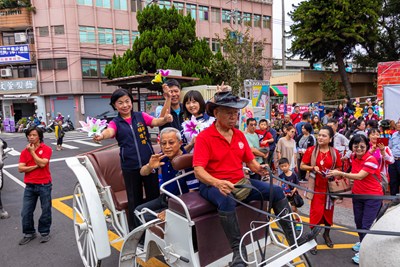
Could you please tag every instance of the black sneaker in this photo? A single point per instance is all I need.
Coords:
(26, 239)
(44, 238)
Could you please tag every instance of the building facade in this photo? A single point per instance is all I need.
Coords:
(73, 40)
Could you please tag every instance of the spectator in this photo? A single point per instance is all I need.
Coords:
(348, 106)
(305, 118)
(369, 105)
(60, 117)
(220, 151)
(318, 160)
(286, 148)
(34, 163)
(339, 112)
(328, 115)
(321, 109)
(304, 141)
(340, 142)
(129, 128)
(36, 121)
(295, 117)
(172, 92)
(358, 111)
(316, 124)
(366, 175)
(254, 143)
(267, 136)
(394, 169)
(59, 132)
(371, 115)
(359, 129)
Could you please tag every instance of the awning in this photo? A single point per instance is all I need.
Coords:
(14, 97)
(278, 90)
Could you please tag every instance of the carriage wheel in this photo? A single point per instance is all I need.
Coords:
(280, 235)
(83, 229)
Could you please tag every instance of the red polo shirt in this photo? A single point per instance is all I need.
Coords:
(219, 158)
(296, 118)
(369, 185)
(39, 175)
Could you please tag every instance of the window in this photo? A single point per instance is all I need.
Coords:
(105, 35)
(103, 63)
(203, 13)
(26, 71)
(257, 21)
(85, 2)
(237, 16)
(58, 30)
(8, 38)
(247, 19)
(164, 4)
(43, 31)
(135, 35)
(60, 64)
(226, 16)
(122, 37)
(46, 64)
(191, 9)
(266, 22)
(215, 45)
(87, 34)
(103, 3)
(215, 15)
(121, 4)
(207, 41)
(179, 7)
(89, 68)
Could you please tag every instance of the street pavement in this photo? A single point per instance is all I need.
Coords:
(62, 250)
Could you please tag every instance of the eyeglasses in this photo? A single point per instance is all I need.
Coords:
(164, 144)
(252, 124)
(359, 147)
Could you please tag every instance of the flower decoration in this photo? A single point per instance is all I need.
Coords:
(93, 126)
(160, 76)
(193, 127)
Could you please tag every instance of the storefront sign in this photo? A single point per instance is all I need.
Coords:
(14, 54)
(18, 86)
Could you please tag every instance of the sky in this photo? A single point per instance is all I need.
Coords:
(277, 25)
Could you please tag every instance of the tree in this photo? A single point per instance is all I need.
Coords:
(14, 3)
(241, 59)
(331, 88)
(387, 45)
(329, 30)
(167, 41)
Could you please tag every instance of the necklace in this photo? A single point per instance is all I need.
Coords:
(322, 160)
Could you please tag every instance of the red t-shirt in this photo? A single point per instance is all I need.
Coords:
(39, 175)
(369, 185)
(267, 136)
(295, 118)
(219, 158)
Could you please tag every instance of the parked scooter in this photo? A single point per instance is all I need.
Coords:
(3, 154)
(68, 125)
(50, 127)
(29, 123)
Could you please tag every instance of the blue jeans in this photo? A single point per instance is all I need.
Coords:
(228, 204)
(31, 194)
(394, 174)
(365, 212)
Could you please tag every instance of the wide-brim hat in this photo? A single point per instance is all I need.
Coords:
(226, 99)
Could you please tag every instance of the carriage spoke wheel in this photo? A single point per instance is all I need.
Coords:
(83, 229)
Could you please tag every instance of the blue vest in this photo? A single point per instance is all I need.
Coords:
(134, 142)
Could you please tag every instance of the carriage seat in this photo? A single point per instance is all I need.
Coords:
(108, 169)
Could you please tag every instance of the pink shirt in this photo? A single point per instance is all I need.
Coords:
(147, 120)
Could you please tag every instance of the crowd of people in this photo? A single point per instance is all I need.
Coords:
(313, 147)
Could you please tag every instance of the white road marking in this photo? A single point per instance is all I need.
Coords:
(86, 143)
(52, 160)
(18, 181)
(67, 146)
(14, 153)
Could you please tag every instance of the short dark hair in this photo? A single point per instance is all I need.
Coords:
(196, 96)
(173, 82)
(328, 111)
(283, 161)
(250, 120)
(358, 122)
(372, 124)
(38, 130)
(120, 92)
(306, 115)
(307, 126)
(263, 120)
(373, 130)
(358, 138)
(332, 120)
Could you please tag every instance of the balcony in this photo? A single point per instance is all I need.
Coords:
(15, 19)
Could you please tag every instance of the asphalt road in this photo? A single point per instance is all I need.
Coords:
(62, 250)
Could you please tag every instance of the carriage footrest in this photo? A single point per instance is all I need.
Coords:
(293, 254)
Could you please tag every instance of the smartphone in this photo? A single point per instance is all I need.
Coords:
(383, 140)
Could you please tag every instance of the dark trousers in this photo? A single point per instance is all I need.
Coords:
(394, 174)
(134, 183)
(31, 194)
(227, 204)
(301, 174)
(59, 141)
(157, 205)
(365, 212)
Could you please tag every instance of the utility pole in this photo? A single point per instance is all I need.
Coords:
(283, 37)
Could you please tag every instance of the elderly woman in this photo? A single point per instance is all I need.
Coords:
(318, 160)
(367, 176)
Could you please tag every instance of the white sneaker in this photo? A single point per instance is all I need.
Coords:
(4, 214)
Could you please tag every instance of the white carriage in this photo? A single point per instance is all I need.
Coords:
(191, 234)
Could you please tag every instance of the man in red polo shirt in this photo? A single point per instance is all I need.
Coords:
(219, 153)
(34, 162)
(295, 117)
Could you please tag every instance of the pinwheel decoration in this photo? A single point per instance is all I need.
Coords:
(93, 126)
(160, 76)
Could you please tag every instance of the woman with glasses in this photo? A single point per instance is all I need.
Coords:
(318, 160)
(367, 176)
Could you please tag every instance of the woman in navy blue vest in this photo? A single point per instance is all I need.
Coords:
(130, 130)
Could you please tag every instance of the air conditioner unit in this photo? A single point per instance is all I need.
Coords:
(20, 37)
(6, 73)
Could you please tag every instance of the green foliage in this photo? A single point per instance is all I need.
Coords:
(329, 30)
(331, 88)
(167, 41)
(387, 45)
(14, 3)
(241, 59)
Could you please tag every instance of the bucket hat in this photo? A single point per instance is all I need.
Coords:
(226, 99)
